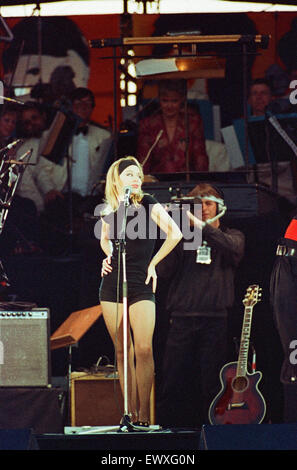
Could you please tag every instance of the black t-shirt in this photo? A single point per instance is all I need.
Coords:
(196, 289)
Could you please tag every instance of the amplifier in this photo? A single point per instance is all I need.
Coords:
(242, 200)
(24, 348)
(96, 399)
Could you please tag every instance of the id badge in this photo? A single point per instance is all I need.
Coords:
(203, 254)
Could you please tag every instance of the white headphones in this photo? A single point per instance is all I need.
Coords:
(221, 207)
(219, 201)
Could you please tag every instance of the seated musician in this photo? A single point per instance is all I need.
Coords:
(163, 136)
(76, 183)
(8, 119)
(32, 129)
(86, 151)
(21, 232)
(260, 96)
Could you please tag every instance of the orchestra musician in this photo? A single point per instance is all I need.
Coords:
(173, 132)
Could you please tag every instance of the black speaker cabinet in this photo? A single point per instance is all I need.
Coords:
(17, 439)
(249, 437)
(24, 348)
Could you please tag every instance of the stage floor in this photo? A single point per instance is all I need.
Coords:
(102, 438)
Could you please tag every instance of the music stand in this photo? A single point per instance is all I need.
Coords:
(4, 27)
(71, 331)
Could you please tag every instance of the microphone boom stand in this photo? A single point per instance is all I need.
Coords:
(125, 422)
(8, 184)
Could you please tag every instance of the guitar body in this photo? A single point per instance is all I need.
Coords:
(239, 401)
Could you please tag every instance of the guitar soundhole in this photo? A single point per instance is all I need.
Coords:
(239, 384)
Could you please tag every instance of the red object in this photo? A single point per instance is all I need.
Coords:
(291, 231)
(169, 156)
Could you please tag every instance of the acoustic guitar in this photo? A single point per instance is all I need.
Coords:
(239, 400)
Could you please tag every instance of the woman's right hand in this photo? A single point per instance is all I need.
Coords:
(106, 266)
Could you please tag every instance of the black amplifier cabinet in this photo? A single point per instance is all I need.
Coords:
(242, 200)
(24, 348)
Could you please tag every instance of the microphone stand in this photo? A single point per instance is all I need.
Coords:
(125, 422)
(126, 425)
(8, 184)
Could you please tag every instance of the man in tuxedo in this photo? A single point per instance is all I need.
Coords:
(79, 171)
(87, 152)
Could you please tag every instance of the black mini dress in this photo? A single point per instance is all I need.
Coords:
(140, 239)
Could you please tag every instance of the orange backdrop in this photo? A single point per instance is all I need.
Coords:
(106, 26)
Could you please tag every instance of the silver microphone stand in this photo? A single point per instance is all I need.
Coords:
(125, 422)
(126, 425)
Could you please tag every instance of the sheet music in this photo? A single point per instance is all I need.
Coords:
(283, 134)
(153, 66)
(233, 148)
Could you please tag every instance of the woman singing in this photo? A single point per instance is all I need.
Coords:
(141, 278)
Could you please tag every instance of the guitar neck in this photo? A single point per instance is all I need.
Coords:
(244, 342)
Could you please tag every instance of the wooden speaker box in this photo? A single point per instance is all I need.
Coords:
(96, 400)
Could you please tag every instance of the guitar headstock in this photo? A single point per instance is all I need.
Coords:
(252, 296)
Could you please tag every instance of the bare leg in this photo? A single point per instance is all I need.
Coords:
(142, 319)
(114, 323)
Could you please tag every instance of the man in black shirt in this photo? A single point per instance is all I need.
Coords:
(283, 294)
(200, 292)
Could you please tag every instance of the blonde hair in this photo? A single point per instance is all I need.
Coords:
(113, 183)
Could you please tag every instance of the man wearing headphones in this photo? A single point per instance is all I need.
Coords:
(200, 291)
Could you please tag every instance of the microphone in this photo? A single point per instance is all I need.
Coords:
(105, 42)
(127, 193)
(12, 100)
(14, 163)
(221, 207)
(21, 159)
(10, 146)
(152, 147)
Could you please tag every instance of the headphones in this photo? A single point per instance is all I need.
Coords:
(220, 202)
(221, 207)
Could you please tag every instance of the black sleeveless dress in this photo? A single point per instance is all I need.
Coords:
(141, 234)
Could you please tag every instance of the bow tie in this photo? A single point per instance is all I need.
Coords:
(83, 130)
